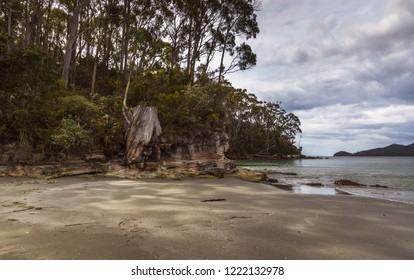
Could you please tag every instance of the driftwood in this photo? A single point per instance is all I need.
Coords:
(141, 125)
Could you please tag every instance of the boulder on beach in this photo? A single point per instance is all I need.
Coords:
(346, 182)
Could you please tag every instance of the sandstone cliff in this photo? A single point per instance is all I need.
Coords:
(188, 156)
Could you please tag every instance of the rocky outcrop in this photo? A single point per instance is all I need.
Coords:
(168, 158)
(198, 156)
(346, 182)
(67, 167)
(213, 146)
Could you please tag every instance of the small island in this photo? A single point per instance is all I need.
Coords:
(391, 150)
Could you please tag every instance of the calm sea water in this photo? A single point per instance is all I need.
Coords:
(397, 173)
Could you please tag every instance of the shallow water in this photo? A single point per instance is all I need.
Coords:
(397, 173)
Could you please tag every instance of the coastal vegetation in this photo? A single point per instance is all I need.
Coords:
(66, 65)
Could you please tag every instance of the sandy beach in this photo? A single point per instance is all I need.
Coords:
(106, 218)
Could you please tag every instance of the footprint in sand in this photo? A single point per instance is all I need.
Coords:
(133, 228)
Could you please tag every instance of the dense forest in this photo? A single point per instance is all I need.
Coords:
(65, 66)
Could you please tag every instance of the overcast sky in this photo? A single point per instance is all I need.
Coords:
(344, 67)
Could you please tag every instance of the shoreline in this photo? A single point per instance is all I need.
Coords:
(365, 178)
(192, 218)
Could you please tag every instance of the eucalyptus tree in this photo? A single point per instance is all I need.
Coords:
(187, 28)
(56, 35)
(198, 30)
(75, 7)
(12, 14)
(238, 21)
(37, 22)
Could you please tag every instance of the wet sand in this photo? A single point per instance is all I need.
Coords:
(105, 218)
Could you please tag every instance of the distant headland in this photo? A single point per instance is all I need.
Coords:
(391, 150)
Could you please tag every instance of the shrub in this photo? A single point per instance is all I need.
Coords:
(71, 136)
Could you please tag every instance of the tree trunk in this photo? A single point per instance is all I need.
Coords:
(9, 27)
(45, 43)
(221, 69)
(141, 125)
(125, 41)
(190, 40)
(95, 67)
(70, 43)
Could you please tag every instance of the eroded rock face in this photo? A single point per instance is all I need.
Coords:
(192, 157)
(200, 154)
(208, 148)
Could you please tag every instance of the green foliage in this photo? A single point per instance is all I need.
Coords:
(260, 129)
(107, 127)
(79, 107)
(31, 68)
(3, 42)
(196, 110)
(109, 85)
(71, 136)
(28, 79)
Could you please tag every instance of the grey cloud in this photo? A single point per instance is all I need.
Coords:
(337, 65)
(404, 134)
(300, 56)
(405, 89)
(394, 30)
(402, 5)
(288, 23)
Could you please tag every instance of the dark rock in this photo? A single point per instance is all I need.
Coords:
(240, 217)
(216, 172)
(379, 186)
(210, 168)
(213, 200)
(230, 167)
(282, 186)
(314, 184)
(345, 182)
(272, 180)
(284, 173)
